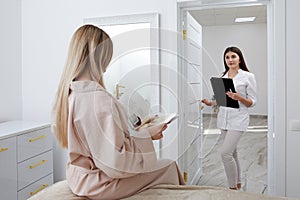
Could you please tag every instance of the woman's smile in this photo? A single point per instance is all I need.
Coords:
(232, 59)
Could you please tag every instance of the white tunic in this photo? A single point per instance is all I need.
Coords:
(238, 119)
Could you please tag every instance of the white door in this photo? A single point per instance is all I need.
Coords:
(191, 93)
(133, 73)
(135, 63)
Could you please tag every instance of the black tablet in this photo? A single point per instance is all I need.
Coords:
(220, 87)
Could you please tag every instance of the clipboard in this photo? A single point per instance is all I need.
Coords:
(220, 86)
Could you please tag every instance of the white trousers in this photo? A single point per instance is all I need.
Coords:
(230, 157)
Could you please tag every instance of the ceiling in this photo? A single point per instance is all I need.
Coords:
(226, 16)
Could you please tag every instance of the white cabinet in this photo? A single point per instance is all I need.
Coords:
(34, 143)
(34, 168)
(8, 168)
(26, 159)
(35, 187)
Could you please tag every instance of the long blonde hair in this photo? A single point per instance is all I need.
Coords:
(90, 48)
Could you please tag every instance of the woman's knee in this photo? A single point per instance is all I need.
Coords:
(226, 155)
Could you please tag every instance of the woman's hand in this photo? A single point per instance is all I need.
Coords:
(146, 123)
(238, 97)
(234, 96)
(206, 102)
(156, 131)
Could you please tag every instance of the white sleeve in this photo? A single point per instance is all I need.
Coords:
(251, 89)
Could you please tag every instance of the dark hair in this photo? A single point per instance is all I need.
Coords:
(236, 50)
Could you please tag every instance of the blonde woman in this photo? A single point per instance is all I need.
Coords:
(105, 162)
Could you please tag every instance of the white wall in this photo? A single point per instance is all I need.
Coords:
(252, 40)
(10, 56)
(47, 27)
(293, 96)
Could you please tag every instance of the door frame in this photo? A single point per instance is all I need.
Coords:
(276, 35)
(154, 20)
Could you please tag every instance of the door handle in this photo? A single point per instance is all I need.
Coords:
(3, 149)
(118, 93)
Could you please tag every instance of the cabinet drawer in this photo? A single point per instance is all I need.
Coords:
(33, 169)
(34, 143)
(8, 169)
(35, 187)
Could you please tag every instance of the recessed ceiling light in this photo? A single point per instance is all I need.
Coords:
(244, 19)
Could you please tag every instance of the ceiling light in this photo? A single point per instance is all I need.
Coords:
(244, 19)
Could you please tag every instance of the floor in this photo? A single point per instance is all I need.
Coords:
(252, 153)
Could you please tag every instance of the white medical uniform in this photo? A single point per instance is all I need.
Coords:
(238, 119)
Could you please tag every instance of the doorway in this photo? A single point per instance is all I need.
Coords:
(220, 31)
(276, 183)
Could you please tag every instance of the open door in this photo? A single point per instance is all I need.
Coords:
(191, 93)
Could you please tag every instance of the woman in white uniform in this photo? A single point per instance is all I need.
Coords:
(234, 122)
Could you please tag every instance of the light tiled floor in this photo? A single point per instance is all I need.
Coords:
(252, 152)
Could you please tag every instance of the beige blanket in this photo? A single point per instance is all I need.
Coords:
(61, 191)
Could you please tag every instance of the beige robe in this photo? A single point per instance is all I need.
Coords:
(105, 162)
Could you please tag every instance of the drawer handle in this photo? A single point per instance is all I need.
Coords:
(41, 188)
(37, 138)
(3, 149)
(37, 164)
